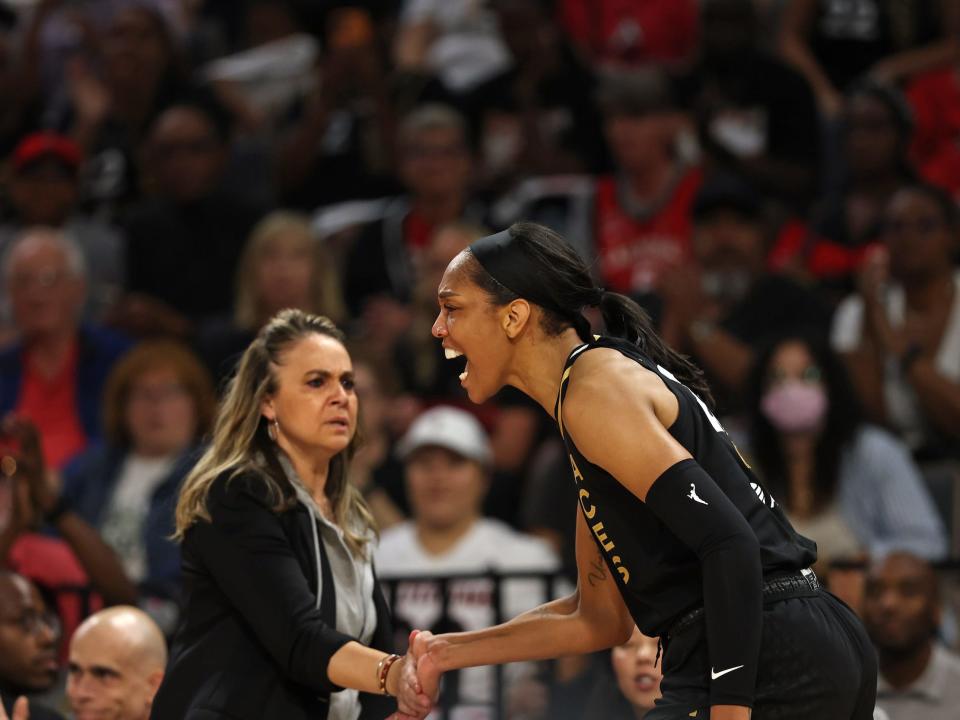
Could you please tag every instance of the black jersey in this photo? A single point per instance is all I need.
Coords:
(657, 574)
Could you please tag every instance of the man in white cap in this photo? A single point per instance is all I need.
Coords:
(447, 460)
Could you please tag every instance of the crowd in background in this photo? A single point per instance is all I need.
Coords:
(775, 181)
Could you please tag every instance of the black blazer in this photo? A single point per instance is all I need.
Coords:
(251, 645)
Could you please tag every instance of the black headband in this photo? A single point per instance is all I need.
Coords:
(505, 261)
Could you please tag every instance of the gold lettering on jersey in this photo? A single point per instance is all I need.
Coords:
(587, 512)
(602, 538)
(590, 512)
(576, 471)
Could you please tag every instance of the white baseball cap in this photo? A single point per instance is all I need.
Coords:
(450, 428)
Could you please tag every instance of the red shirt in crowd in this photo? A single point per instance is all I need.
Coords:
(51, 404)
(632, 32)
(934, 98)
(635, 252)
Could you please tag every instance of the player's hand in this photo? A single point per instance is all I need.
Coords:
(412, 702)
(426, 646)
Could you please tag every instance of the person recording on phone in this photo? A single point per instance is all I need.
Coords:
(900, 334)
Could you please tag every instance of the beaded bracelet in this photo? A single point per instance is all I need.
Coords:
(383, 669)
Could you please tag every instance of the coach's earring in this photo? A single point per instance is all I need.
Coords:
(273, 429)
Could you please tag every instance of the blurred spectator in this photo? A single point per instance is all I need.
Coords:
(18, 86)
(158, 404)
(374, 469)
(116, 90)
(919, 678)
(537, 117)
(757, 116)
(641, 219)
(637, 671)
(55, 373)
(849, 486)
(265, 78)
(117, 659)
(44, 190)
(447, 459)
(724, 305)
(184, 242)
(934, 99)
(875, 163)
(901, 333)
(836, 43)
(619, 684)
(339, 146)
(436, 167)
(71, 567)
(282, 266)
(632, 32)
(28, 635)
(456, 40)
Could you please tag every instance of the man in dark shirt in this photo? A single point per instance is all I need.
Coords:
(28, 651)
(184, 242)
(757, 116)
(725, 305)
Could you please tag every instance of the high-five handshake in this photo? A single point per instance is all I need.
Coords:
(418, 687)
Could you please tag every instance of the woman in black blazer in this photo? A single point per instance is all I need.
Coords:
(283, 614)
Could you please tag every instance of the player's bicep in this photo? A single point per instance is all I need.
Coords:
(615, 426)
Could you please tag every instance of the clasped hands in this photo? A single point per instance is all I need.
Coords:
(418, 687)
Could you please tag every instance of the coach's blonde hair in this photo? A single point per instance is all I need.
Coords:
(241, 443)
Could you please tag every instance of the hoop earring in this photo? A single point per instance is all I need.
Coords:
(273, 429)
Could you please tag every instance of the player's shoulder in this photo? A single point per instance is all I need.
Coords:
(609, 372)
(604, 383)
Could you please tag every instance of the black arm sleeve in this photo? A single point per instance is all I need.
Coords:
(250, 557)
(697, 511)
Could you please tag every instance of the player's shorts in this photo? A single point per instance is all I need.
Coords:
(816, 661)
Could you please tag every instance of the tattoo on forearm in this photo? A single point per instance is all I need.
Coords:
(598, 571)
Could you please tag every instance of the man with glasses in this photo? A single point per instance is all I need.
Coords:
(28, 646)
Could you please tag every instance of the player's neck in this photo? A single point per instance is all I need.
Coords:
(537, 369)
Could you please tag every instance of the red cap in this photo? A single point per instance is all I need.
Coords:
(39, 145)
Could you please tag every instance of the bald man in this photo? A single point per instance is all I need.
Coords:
(117, 659)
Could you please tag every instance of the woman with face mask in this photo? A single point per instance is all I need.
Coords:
(850, 486)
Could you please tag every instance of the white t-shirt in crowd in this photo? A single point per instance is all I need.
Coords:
(903, 408)
(128, 507)
(489, 545)
(468, 48)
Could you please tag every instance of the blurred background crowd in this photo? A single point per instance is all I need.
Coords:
(776, 181)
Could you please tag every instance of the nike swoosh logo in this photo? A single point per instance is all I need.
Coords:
(715, 675)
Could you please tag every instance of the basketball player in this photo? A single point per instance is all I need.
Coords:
(674, 533)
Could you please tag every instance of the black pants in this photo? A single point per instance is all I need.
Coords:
(816, 662)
